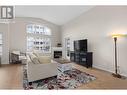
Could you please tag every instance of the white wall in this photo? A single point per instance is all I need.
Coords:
(97, 25)
(18, 33)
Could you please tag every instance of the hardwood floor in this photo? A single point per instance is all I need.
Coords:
(11, 78)
(104, 79)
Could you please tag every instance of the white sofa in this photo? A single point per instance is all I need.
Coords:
(40, 71)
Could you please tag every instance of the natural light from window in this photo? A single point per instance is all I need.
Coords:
(1, 44)
(38, 38)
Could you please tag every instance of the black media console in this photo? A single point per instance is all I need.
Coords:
(82, 58)
(80, 54)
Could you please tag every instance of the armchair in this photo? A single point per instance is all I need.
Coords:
(15, 56)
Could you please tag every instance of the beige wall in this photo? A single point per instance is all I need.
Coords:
(5, 46)
(97, 25)
(18, 32)
(14, 35)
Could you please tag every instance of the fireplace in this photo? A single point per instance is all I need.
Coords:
(57, 54)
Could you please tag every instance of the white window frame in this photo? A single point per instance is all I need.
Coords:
(1, 44)
(38, 38)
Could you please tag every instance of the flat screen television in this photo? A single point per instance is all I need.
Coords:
(80, 45)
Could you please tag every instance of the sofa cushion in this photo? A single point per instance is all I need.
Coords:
(34, 59)
(44, 59)
(38, 53)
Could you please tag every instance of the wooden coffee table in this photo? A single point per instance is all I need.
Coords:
(64, 65)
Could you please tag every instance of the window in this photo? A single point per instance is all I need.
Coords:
(67, 43)
(38, 38)
(1, 44)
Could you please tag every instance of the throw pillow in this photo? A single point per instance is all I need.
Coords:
(44, 59)
(34, 59)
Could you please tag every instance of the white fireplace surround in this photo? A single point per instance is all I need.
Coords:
(56, 49)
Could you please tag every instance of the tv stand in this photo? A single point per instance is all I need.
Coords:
(82, 58)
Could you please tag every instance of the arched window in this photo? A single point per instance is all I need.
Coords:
(38, 38)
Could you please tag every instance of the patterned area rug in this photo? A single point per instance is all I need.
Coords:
(68, 80)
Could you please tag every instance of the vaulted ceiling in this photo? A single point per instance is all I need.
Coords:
(56, 14)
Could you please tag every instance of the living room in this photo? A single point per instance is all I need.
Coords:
(94, 24)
